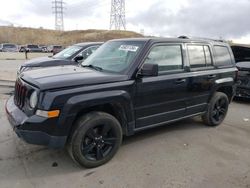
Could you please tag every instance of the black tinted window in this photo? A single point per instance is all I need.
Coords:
(208, 56)
(9, 46)
(167, 57)
(223, 57)
(196, 56)
(32, 46)
(58, 47)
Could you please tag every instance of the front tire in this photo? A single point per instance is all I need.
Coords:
(95, 140)
(217, 110)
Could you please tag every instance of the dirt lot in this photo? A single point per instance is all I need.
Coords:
(8, 67)
(183, 154)
(21, 56)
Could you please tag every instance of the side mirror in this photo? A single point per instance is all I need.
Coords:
(78, 58)
(149, 70)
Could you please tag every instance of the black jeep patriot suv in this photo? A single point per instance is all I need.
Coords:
(126, 86)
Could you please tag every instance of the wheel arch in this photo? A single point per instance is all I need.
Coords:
(115, 103)
(228, 90)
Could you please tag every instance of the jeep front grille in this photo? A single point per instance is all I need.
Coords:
(20, 94)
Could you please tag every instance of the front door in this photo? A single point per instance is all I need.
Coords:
(162, 98)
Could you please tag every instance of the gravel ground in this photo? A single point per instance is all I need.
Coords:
(183, 154)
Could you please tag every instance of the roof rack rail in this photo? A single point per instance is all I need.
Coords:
(201, 38)
(183, 37)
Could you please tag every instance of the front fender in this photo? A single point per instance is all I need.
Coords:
(80, 102)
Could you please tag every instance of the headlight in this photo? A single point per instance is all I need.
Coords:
(33, 99)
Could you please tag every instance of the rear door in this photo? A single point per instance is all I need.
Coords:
(202, 77)
(162, 98)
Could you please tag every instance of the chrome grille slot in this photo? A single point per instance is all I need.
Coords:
(20, 94)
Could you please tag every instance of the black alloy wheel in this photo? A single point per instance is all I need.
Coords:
(95, 140)
(217, 109)
(220, 110)
(98, 142)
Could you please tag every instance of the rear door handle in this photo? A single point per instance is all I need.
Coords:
(180, 81)
(211, 76)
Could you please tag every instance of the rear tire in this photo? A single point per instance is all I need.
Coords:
(217, 110)
(95, 140)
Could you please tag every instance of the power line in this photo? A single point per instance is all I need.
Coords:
(117, 15)
(58, 10)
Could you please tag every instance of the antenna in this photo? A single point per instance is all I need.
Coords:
(117, 15)
(58, 10)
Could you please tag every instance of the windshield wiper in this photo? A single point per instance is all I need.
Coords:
(93, 67)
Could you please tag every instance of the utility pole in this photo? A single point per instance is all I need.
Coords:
(117, 15)
(58, 10)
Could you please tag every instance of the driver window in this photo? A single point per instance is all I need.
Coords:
(87, 52)
(168, 57)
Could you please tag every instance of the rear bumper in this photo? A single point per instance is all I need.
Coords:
(19, 120)
(243, 92)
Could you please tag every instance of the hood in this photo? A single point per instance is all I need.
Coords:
(47, 61)
(68, 76)
(243, 66)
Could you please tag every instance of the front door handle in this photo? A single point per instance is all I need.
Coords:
(180, 81)
(211, 76)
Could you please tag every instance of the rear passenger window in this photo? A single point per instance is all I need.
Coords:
(196, 56)
(222, 57)
(167, 57)
(199, 56)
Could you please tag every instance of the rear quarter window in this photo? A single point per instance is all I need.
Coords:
(222, 56)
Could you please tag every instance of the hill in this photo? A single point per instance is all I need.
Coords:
(20, 35)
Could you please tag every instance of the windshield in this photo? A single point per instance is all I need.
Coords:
(114, 56)
(68, 52)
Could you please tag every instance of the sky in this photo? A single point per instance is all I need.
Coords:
(226, 19)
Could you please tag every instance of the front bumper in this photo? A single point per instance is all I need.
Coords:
(20, 121)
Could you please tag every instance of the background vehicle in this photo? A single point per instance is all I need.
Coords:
(242, 57)
(22, 48)
(54, 49)
(7, 47)
(243, 86)
(72, 55)
(44, 48)
(30, 48)
(33, 48)
(126, 86)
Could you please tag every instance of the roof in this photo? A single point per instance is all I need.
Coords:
(183, 40)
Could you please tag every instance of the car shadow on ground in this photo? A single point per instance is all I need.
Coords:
(40, 162)
(183, 125)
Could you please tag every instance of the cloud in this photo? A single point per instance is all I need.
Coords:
(83, 9)
(73, 9)
(5, 23)
(209, 18)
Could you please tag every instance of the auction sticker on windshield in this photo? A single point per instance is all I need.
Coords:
(129, 48)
